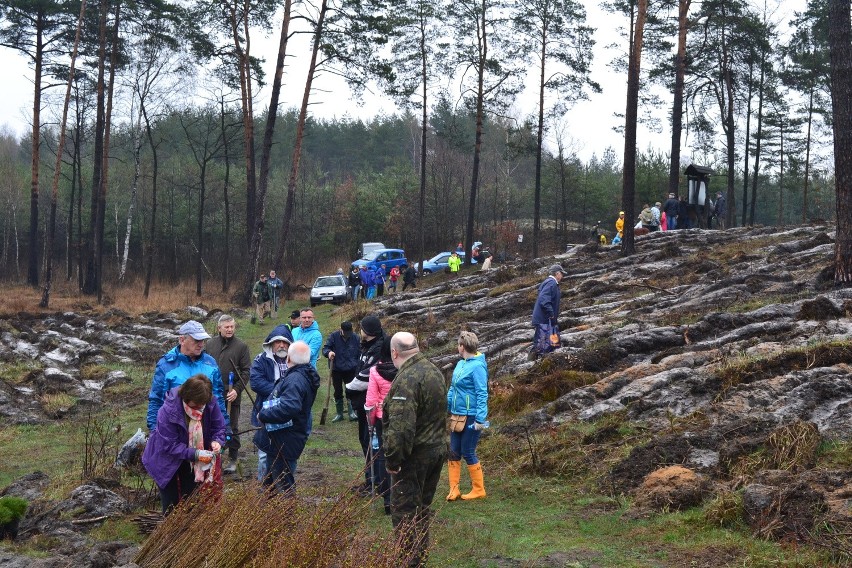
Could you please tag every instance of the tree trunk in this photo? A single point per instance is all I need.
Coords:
(90, 285)
(477, 145)
(226, 269)
(746, 150)
(629, 176)
(99, 243)
(54, 194)
(297, 147)
(808, 156)
(152, 247)
(758, 142)
(256, 234)
(424, 52)
(539, 144)
(840, 42)
(33, 264)
(244, 68)
(677, 104)
(137, 153)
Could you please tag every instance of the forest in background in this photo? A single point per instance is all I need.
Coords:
(162, 176)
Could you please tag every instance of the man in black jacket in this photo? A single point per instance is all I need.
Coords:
(372, 339)
(342, 349)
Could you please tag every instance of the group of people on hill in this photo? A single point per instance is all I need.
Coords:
(399, 399)
(671, 215)
(368, 283)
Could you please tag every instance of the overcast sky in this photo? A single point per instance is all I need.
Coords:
(590, 123)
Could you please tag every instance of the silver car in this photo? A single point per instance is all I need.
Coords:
(330, 289)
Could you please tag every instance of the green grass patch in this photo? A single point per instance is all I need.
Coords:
(117, 529)
(19, 372)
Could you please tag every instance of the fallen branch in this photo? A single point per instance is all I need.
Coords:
(657, 288)
(89, 521)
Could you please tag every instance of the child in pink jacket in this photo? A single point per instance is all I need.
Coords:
(381, 377)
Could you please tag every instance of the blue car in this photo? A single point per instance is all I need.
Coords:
(388, 257)
(438, 262)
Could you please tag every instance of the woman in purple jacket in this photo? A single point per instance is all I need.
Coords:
(182, 448)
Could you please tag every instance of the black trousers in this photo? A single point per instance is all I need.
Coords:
(180, 487)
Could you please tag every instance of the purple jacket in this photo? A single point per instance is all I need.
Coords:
(168, 445)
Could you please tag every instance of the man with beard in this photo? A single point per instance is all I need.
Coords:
(286, 415)
(372, 339)
(267, 368)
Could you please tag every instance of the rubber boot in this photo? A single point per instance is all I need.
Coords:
(338, 403)
(477, 481)
(352, 416)
(454, 475)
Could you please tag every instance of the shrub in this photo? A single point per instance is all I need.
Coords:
(12, 508)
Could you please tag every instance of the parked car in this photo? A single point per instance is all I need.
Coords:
(439, 262)
(388, 257)
(333, 289)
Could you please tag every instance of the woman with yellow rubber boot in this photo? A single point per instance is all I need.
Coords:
(467, 403)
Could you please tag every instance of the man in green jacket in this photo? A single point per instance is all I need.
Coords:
(262, 298)
(415, 442)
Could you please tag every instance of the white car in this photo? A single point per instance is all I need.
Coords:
(330, 289)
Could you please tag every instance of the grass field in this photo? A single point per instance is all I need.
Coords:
(526, 520)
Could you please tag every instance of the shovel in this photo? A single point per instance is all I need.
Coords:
(327, 394)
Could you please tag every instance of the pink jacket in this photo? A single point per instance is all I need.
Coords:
(377, 390)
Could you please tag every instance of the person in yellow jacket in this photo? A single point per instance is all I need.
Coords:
(619, 225)
(454, 262)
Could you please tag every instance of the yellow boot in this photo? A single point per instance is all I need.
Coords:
(477, 481)
(454, 474)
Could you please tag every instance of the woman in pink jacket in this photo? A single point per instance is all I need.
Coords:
(381, 377)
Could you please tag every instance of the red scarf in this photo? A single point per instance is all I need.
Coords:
(203, 471)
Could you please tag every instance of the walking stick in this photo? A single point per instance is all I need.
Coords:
(371, 456)
(242, 380)
(327, 394)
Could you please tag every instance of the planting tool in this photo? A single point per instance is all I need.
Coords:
(230, 388)
(327, 394)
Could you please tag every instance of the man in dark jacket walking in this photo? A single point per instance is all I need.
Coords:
(546, 310)
(234, 361)
(286, 413)
(409, 278)
(415, 443)
(372, 338)
(342, 349)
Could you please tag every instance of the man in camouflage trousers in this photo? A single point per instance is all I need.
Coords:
(415, 442)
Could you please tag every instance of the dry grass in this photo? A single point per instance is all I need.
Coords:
(127, 297)
(725, 510)
(792, 447)
(247, 526)
(56, 405)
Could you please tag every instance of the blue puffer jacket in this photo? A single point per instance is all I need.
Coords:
(290, 402)
(546, 308)
(264, 372)
(468, 392)
(312, 337)
(173, 369)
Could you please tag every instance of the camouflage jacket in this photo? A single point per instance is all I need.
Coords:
(415, 412)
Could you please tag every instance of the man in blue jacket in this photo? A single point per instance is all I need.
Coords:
(266, 369)
(188, 358)
(546, 310)
(286, 415)
(342, 349)
(309, 332)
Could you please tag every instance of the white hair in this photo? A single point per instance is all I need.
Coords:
(225, 318)
(299, 353)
